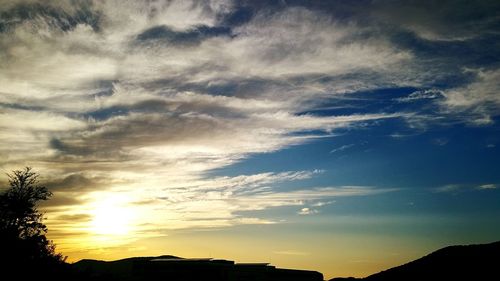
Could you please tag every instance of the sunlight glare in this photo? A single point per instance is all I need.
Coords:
(111, 217)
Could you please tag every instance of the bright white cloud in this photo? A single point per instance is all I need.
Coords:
(421, 95)
(307, 211)
(200, 203)
(479, 100)
(488, 186)
(300, 42)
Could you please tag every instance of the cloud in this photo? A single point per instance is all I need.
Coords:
(307, 211)
(342, 148)
(421, 95)
(398, 135)
(440, 21)
(279, 48)
(148, 131)
(38, 121)
(291, 253)
(264, 200)
(455, 188)
(197, 203)
(79, 182)
(212, 202)
(191, 37)
(449, 188)
(487, 186)
(145, 99)
(62, 201)
(440, 141)
(478, 101)
(322, 203)
(76, 217)
(57, 14)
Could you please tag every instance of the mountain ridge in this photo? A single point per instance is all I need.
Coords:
(460, 262)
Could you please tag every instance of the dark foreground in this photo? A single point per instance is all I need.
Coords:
(179, 269)
(472, 262)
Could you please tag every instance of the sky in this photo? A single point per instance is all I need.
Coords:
(345, 137)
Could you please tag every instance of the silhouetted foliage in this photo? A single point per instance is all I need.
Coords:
(22, 232)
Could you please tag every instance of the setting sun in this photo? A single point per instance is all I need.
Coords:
(111, 218)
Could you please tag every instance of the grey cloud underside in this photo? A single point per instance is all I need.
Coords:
(61, 200)
(269, 30)
(442, 20)
(191, 37)
(78, 183)
(140, 130)
(73, 218)
(52, 15)
(167, 107)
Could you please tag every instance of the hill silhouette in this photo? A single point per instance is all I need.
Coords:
(471, 262)
(180, 269)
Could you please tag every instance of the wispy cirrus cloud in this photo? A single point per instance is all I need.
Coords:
(451, 21)
(449, 188)
(487, 186)
(199, 203)
(421, 95)
(456, 188)
(307, 211)
(291, 253)
(342, 148)
(479, 100)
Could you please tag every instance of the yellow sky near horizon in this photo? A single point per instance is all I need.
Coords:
(335, 254)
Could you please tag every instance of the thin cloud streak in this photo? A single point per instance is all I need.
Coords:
(205, 203)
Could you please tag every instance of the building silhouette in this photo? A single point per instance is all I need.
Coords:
(179, 269)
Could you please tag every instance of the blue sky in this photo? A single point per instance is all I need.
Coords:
(361, 133)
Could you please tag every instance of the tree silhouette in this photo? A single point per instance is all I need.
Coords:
(22, 232)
